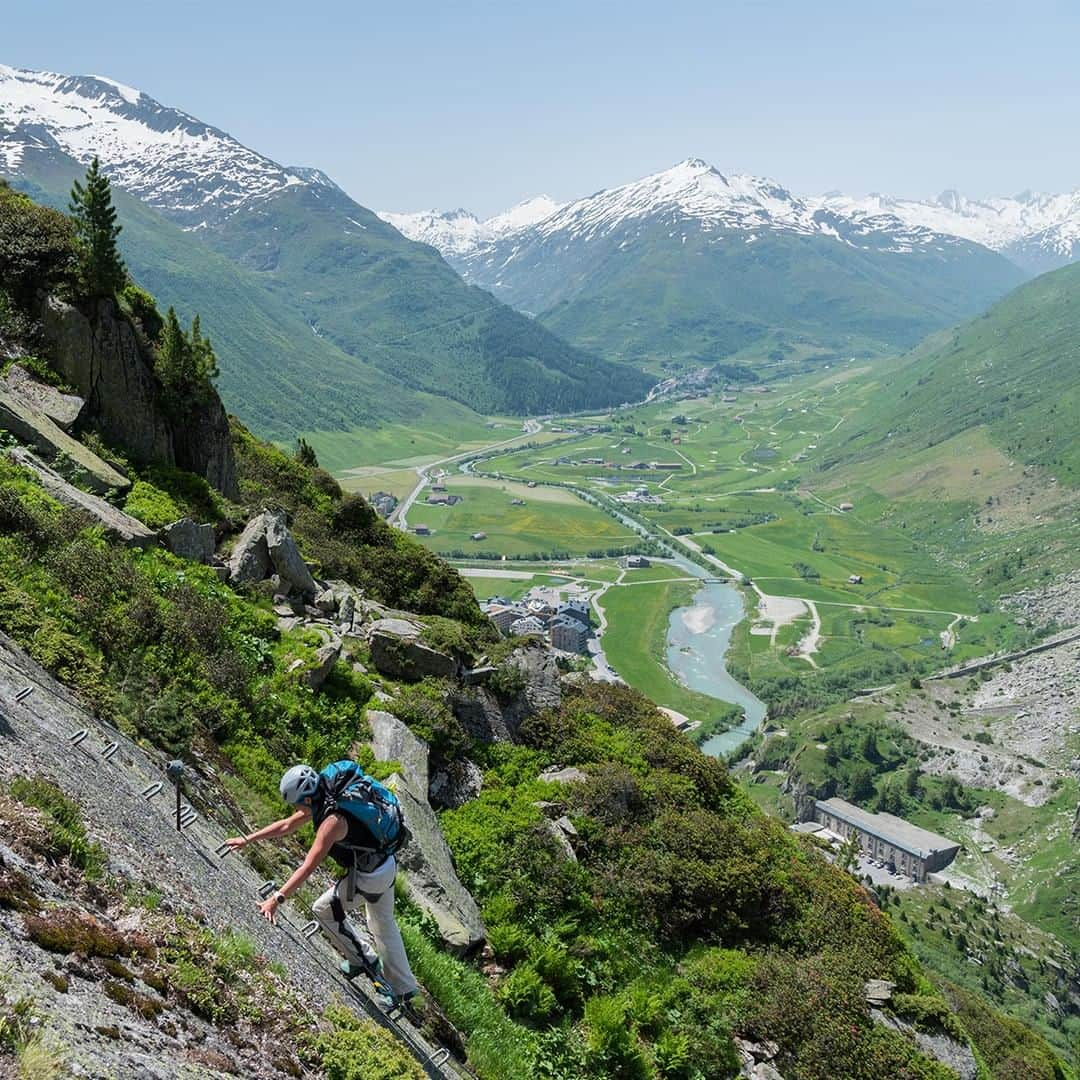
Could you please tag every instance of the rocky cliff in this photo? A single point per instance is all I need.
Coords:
(99, 354)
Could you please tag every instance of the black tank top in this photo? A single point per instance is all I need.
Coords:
(357, 848)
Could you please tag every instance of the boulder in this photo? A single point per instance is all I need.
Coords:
(190, 541)
(347, 610)
(878, 991)
(482, 715)
(563, 837)
(570, 775)
(326, 656)
(31, 426)
(543, 688)
(326, 601)
(116, 523)
(430, 878)
(391, 740)
(397, 652)
(62, 409)
(456, 784)
(286, 556)
(250, 559)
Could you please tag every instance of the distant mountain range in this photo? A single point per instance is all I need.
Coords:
(693, 263)
(326, 317)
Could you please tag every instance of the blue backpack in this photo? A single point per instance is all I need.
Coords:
(350, 790)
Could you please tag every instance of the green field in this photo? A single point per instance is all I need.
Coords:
(551, 520)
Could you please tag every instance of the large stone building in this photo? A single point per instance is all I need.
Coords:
(914, 852)
(569, 635)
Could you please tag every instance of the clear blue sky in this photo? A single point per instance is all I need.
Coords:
(419, 104)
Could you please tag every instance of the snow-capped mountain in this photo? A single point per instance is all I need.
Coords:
(458, 232)
(177, 164)
(303, 286)
(694, 262)
(1037, 231)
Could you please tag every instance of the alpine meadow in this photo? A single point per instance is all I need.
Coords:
(597, 615)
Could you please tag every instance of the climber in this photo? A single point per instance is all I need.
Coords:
(358, 821)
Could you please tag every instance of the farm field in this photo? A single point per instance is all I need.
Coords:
(551, 520)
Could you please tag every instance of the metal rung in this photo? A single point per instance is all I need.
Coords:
(439, 1057)
(24, 693)
(310, 929)
(150, 791)
(110, 751)
(187, 817)
(266, 888)
(79, 736)
(222, 849)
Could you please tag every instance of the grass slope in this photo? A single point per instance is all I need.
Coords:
(673, 289)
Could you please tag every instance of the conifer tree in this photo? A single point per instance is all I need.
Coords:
(305, 453)
(96, 230)
(185, 363)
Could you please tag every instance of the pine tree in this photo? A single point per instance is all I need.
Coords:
(96, 230)
(185, 363)
(305, 453)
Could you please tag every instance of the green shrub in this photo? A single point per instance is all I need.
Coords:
(152, 506)
(612, 1048)
(526, 995)
(357, 1049)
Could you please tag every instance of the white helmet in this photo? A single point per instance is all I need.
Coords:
(299, 783)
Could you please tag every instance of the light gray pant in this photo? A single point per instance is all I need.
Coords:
(376, 892)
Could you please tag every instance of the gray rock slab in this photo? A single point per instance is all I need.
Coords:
(391, 740)
(458, 783)
(430, 878)
(116, 523)
(286, 556)
(397, 652)
(326, 656)
(31, 426)
(62, 409)
(189, 540)
(250, 559)
(568, 775)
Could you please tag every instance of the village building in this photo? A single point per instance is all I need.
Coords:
(568, 634)
(912, 851)
(531, 483)
(422, 530)
(855, 579)
(575, 609)
(636, 562)
(526, 626)
(443, 499)
(846, 506)
(478, 536)
(517, 502)
(504, 616)
(438, 487)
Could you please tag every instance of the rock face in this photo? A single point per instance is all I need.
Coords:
(484, 716)
(250, 559)
(31, 426)
(190, 541)
(430, 877)
(62, 409)
(456, 784)
(115, 522)
(285, 555)
(100, 356)
(397, 652)
(391, 740)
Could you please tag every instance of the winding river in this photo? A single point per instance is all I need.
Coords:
(698, 639)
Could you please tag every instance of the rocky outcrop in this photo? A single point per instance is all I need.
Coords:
(189, 540)
(569, 775)
(326, 656)
(939, 1045)
(62, 409)
(489, 718)
(31, 426)
(430, 877)
(116, 523)
(286, 557)
(101, 358)
(755, 1060)
(398, 652)
(391, 740)
(455, 784)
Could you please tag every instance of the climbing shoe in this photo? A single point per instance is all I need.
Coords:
(350, 970)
